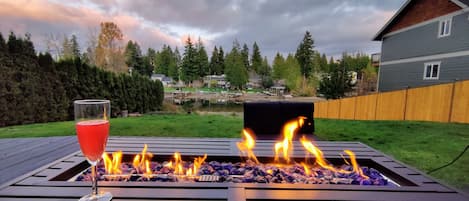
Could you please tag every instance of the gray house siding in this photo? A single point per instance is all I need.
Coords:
(403, 75)
(423, 41)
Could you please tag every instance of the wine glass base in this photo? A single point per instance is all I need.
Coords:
(102, 196)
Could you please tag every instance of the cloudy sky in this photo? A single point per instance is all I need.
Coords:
(276, 25)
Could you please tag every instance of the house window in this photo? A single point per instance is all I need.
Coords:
(431, 71)
(444, 28)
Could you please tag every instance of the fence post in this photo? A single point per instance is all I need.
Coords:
(451, 102)
(355, 109)
(376, 104)
(405, 102)
(340, 105)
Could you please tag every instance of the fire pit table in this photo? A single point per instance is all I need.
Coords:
(57, 180)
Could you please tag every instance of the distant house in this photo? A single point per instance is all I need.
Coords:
(216, 81)
(426, 42)
(166, 81)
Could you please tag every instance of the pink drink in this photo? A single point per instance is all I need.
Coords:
(92, 136)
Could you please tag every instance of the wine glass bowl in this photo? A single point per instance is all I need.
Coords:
(92, 128)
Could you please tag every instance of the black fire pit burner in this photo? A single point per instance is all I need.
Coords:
(56, 181)
(242, 172)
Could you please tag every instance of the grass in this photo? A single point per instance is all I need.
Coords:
(424, 145)
(149, 125)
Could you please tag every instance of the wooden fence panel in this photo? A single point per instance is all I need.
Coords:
(460, 110)
(319, 107)
(429, 103)
(391, 105)
(347, 108)
(333, 109)
(366, 107)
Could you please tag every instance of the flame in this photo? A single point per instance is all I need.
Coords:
(321, 161)
(189, 173)
(112, 166)
(198, 162)
(248, 145)
(195, 168)
(286, 146)
(141, 161)
(317, 154)
(356, 167)
(178, 169)
(307, 169)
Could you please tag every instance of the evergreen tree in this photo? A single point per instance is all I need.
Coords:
(14, 44)
(213, 61)
(3, 45)
(256, 58)
(266, 74)
(74, 46)
(323, 64)
(221, 62)
(202, 59)
(304, 55)
(234, 67)
(245, 56)
(279, 69)
(28, 46)
(133, 58)
(337, 82)
(163, 60)
(174, 67)
(292, 76)
(151, 54)
(189, 67)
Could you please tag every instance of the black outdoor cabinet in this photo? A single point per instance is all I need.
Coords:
(266, 119)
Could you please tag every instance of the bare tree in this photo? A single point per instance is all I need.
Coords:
(53, 44)
(92, 44)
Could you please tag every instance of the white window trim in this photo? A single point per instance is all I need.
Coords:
(449, 22)
(425, 70)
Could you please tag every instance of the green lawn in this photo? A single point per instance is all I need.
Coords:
(424, 145)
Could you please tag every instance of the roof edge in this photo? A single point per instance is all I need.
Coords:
(459, 3)
(377, 35)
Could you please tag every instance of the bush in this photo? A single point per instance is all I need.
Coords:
(38, 89)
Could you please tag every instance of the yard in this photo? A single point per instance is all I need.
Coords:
(424, 145)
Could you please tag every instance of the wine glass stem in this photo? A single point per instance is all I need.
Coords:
(94, 187)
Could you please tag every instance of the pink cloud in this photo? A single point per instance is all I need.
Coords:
(62, 17)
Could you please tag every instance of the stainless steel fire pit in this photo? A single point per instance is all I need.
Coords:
(51, 182)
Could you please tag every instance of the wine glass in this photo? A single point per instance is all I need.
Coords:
(92, 127)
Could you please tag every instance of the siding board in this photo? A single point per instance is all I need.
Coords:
(424, 41)
(401, 76)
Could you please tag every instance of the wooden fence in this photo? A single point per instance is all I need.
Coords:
(440, 103)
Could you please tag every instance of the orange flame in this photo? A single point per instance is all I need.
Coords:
(248, 145)
(321, 161)
(141, 161)
(197, 163)
(356, 167)
(178, 169)
(286, 146)
(307, 169)
(112, 166)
